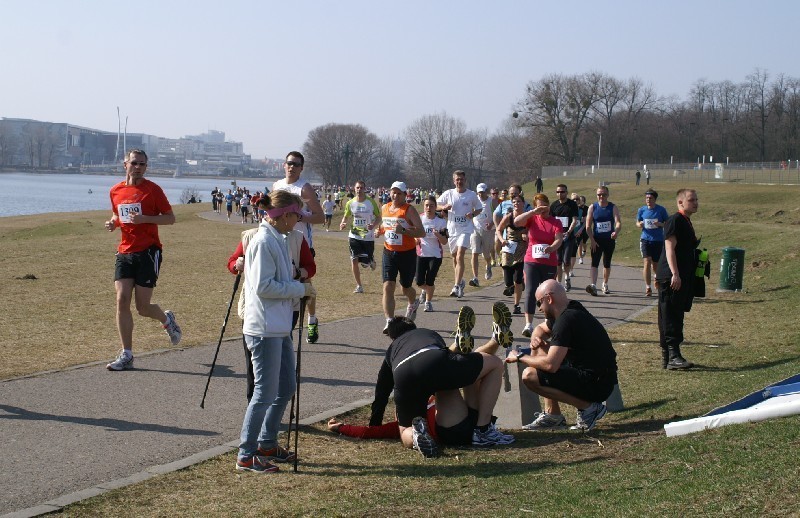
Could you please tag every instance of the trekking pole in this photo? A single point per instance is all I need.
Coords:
(297, 375)
(291, 405)
(221, 334)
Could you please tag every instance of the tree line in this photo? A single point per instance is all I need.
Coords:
(565, 120)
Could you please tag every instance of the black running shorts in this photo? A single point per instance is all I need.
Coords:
(403, 263)
(142, 267)
(582, 384)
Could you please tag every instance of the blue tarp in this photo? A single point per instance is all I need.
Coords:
(757, 397)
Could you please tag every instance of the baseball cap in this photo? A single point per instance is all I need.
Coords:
(481, 187)
(399, 185)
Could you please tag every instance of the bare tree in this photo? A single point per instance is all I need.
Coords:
(341, 153)
(515, 153)
(434, 145)
(8, 145)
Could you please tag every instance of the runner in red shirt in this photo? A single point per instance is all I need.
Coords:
(138, 207)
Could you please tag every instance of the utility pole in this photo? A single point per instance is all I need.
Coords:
(346, 154)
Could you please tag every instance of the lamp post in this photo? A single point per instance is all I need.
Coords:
(346, 154)
(599, 143)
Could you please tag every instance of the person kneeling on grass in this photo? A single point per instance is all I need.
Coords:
(571, 361)
(419, 364)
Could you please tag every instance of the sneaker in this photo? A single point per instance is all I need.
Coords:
(422, 297)
(527, 331)
(386, 327)
(363, 265)
(517, 309)
(312, 333)
(501, 325)
(648, 292)
(124, 361)
(588, 418)
(277, 454)
(491, 437)
(545, 421)
(411, 310)
(372, 264)
(462, 284)
(488, 274)
(428, 307)
(257, 464)
(461, 290)
(454, 291)
(172, 328)
(580, 260)
(508, 290)
(605, 289)
(423, 442)
(591, 290)
(567, 284)
(474, 282)
(464, 324)
(359, 289)
(571, 274)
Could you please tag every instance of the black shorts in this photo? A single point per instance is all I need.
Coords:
(605, 248)
(461, 433)
(328, 217)
(582, 384)
(427, 270)
(651, 249)
(567, 251)
(245, 210)
(142, 267)
(404, 263)
(535, 274)
(362, 250)
(419, 377)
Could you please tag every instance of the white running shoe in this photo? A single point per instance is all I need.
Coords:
(386, 327)
(527, 331)
(359, 289)
(411, 310)
(488, 274)
(428, 307)
(172, 328)
(124, 361)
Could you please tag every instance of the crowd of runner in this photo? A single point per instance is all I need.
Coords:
(535, 242)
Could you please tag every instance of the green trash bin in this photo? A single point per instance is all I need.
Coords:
(731, 269)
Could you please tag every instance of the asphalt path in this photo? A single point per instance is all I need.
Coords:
(77, 432)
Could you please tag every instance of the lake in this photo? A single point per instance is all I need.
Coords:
(31, 193)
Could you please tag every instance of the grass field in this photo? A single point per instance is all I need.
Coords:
(626, 467)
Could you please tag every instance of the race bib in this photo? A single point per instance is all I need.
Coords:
(461, 222)
(564, 221)
(390, 236)
(126, 210)
(538, 252)
(603, 227)
(650, 224)
(360, 222)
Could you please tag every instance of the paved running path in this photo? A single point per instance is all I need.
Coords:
(74, 430)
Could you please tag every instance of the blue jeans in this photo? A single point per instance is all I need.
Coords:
(275, 381)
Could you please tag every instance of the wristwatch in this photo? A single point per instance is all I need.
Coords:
(520, 354)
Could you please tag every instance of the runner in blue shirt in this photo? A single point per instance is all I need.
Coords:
(650, 219)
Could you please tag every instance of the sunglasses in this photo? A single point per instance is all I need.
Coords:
(561, 192)
(135, 164)
(293, 164)
(539, 301)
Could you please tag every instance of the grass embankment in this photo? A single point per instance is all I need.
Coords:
(741, 342)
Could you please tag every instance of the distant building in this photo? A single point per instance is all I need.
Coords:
(27, 143)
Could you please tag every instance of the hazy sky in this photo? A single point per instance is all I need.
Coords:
(267, 72)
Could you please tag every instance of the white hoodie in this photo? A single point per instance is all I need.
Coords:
(268, 284)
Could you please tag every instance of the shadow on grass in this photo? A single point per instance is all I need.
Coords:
(752, 367)
(640, 409)
(17, 413)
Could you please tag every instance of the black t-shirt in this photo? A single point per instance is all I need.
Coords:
(681, 228)
(589, 345)
(568, 209)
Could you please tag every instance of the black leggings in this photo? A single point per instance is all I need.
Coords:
(513, 274)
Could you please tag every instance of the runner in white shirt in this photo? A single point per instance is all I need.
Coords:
(482, 240)
(462, 205)
(293, 167)
(429, 252)
(327, 207)
(366, 216)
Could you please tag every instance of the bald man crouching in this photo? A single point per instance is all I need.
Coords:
(572, 361)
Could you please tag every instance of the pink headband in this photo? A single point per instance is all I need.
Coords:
(276, 213)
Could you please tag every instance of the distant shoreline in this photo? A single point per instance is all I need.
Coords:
(162, 174)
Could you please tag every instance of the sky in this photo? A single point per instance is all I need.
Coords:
(268, 72)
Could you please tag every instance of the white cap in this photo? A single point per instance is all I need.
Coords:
(481, 187)
(399, 185)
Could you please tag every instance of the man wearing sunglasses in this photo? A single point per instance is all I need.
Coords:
(571, 361)
(312, 214)
(139, 206)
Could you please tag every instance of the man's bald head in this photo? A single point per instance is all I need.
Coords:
(558, 297)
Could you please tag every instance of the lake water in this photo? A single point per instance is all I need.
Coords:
(31, 193)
